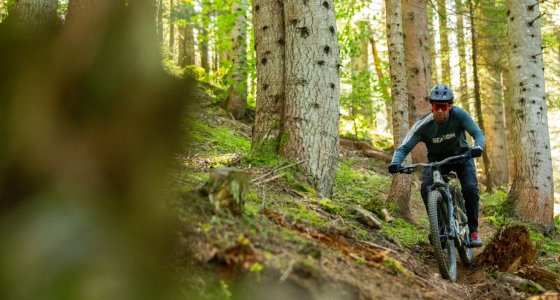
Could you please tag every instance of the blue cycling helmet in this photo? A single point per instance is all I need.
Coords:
(441, 93)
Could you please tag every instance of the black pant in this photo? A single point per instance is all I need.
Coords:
(469, 187)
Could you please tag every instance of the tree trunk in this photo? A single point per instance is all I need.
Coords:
(78, 9)
(268, 25)
(171, 30)
(490, 85)
(160, 21)
(433, 50)
(36, 15)
(204, 48)
(237, 100)
(382, 85)
(188, 35)
(463, 87)
(312, 90)
(444, 43)
(400, 186)
(477, 100)
(532, 188)
(416, 48)
(361, 90)
(510, 123)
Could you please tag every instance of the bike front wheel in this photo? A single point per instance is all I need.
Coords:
(444, 248)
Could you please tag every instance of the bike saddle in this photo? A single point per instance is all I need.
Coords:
(451, 175)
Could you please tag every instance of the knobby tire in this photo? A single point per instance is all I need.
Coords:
(445, 258)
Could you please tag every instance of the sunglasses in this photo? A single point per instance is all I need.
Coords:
(443, 106)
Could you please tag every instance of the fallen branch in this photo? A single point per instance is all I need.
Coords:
(269, 179)
(288, 271)
(379, 247)
(279, 169)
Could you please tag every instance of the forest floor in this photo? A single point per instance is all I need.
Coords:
(291, 243)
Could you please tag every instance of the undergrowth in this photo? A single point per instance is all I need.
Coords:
(291, 196)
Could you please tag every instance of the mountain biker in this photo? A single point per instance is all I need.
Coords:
(443, 132)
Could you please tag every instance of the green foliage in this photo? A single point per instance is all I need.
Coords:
(496, 209)
(5, 7)
(548, 244)
(383, 142)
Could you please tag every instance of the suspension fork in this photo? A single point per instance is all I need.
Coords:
(444, 188)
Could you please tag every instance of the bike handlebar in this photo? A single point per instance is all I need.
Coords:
(411, 168)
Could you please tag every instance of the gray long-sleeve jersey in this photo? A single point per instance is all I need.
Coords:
(442, 140)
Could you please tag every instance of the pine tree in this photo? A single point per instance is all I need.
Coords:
(400, 186)
(416, 48)
(312, 90)
(531, 192)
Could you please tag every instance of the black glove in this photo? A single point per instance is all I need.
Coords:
(476, 151)
(394, 168)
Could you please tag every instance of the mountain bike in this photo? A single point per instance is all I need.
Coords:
(447, 217)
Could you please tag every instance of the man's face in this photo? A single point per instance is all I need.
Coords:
(441, 111)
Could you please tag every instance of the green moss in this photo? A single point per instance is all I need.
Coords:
(217, 140)
(302, 187)
(265, 148)
(405, 233)
(330, 207)
(283, 138)
(300, 213)
(395, 266)
(263, 160)
(359, 186)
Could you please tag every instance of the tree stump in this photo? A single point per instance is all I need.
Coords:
(226, 188)
(510, 249)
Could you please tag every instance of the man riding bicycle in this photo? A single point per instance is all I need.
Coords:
(443, 132)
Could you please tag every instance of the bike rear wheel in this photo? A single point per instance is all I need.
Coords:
(465, 253)
(444, 248)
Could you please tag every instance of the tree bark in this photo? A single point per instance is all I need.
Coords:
(237, 100)
(35, 15)
(444, 43)
(312, 90)
(477, 100)
(268, 25)
(400, 186)
(160, 21)
(532, 188)
(416, 48)
(171, 29)
(464, 99)
(204, 48)
(510, 123)
(433, 50)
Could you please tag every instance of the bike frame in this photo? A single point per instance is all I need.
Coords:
(442, 186)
